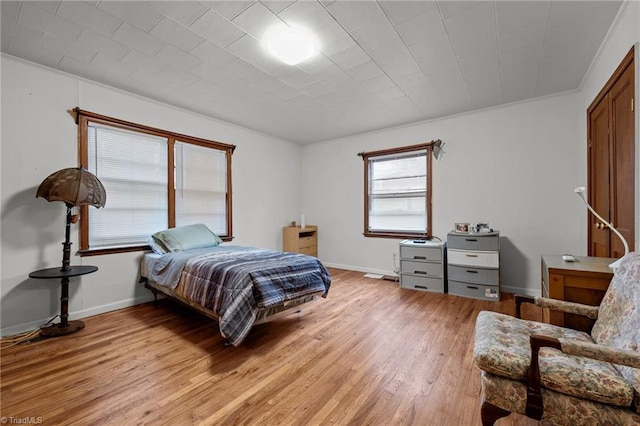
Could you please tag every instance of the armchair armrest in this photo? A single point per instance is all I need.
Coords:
(557, 305)
(624, 357)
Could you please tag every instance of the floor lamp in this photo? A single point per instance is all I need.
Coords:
(75, 187)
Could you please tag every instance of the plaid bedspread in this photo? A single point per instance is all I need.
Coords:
(237, 284)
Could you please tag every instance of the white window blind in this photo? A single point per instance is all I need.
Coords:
(133, 169)
(201, 187)
(398, 192)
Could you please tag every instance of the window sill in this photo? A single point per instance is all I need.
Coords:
(398, 235)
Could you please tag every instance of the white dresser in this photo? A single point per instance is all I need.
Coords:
(422, 265)
(473, 265)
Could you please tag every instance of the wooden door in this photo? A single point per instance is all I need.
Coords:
(611, 162)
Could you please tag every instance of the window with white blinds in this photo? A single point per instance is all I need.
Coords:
(397, 198)
(133, 169)
(154, 179)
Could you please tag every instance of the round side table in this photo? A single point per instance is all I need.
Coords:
(65, 326)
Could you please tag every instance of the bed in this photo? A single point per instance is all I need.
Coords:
(237, 286)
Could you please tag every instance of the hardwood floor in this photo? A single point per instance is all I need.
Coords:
(369, 354)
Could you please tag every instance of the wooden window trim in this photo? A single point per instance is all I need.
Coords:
(428, 146)
(83, 118)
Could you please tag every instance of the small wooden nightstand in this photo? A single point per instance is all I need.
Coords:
(584, 281)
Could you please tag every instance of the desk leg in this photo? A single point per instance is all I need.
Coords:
(65, 326)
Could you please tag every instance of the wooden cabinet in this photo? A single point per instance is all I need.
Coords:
(584, 281)
(422, 265)
(301, 240)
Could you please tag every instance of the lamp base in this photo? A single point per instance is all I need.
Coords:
(55, 330)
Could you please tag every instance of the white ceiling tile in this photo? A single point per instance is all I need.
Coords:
(251, 51)
(365, 71)
(285, 92)
(352, 14)
(33, 53)
(316, 89)
(12, 28)
(89, 39)
(318, 65)
(449, 8)
(477, 70)
(277, 6)
(529, 55)
(435, 49)
(401, 11)
(468, 46)
(9, 10)
(49, 5)
(350, 57)
(135, 13)
(479, 19)
(248, 72)
(517, 75)
(372, 35)
(176, 34)
(73, 66)
(557, 77)
(184, 12)
(132, 36)
(521, 37)
(213, 54)
(228, 9)
(409, 81)
(298, 79)
(35, 18)
(563, 12)
(68, 48)
(512, 15)
(310, 14)
(178, 58)
(178, 77)
(488, 91)
(143, 62)
(518, 93)
(257, 19)
(421, 28)
(388, 94)
(111, 68)
(217, 29)
(89, 17)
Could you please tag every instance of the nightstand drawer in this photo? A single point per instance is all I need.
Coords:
(433, 254)
(416, 282)
(477, 241)
(474, 275)
(421, 268)
(486, 259)
(476, 291)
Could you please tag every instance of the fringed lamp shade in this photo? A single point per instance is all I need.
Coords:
(75, 186)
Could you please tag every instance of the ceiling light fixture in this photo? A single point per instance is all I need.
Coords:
(291, 46)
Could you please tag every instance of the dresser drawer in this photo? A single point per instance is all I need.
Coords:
(476, 241)
(418, 282)
(483, 259)
(433, 254)
(476, 291)
(421, 268)
(473, 275)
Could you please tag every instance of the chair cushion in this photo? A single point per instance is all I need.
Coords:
(618, 323)
(502, 348)
(502, 342)
(559, 409)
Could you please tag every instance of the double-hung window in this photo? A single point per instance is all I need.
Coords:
(154, 179)
(398, 192)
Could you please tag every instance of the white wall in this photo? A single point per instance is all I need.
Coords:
(39, 137)
(514, 167)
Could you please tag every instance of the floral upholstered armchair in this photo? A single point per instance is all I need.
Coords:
(563, 376)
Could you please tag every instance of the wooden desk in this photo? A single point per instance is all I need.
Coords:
(584, 281)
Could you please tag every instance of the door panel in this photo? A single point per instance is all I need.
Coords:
(598, 190)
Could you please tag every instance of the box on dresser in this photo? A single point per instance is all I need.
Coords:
(422, 265)
(473, 264)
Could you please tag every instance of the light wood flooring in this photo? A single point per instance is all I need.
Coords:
(369, 354)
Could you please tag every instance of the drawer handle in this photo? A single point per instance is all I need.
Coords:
(472, 287)
(420, 257)
(471, 239)
(420, 272)
(472, 272)
(422, 287)
(471, 255)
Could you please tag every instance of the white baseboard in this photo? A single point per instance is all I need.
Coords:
(33, 325)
